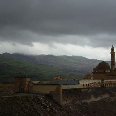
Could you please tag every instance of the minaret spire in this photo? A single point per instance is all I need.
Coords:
(112, 59)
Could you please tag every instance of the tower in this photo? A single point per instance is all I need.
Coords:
(112, 58)
(22, 84)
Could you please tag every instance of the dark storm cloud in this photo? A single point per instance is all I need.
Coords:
(28, 21)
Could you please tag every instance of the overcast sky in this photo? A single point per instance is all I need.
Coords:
(60, 27)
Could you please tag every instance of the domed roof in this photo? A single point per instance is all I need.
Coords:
(102, 67)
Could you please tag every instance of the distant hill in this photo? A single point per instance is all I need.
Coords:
(44, 67)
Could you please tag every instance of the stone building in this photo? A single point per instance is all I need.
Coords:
(103, 70)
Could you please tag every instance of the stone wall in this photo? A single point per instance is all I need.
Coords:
(43, 88)
(7, 88)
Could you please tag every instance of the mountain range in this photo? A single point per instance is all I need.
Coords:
(44, 67)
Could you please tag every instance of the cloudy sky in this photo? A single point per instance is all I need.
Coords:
(60, 27)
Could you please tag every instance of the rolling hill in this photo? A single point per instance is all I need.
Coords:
(44, 67)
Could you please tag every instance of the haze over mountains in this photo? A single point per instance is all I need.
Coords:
(44, 67)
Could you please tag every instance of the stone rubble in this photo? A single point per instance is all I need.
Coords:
(42, 105)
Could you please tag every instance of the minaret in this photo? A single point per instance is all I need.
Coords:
(112, 59)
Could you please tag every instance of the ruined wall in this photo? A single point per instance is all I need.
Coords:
(7, 88)
(45, 89)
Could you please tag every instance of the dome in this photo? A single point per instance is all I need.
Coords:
(102, 67)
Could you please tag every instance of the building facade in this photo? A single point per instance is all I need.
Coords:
(103, 70)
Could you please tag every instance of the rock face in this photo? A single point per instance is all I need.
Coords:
(42, 105)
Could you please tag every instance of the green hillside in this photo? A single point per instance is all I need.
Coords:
(11, 68)
(43, 67)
